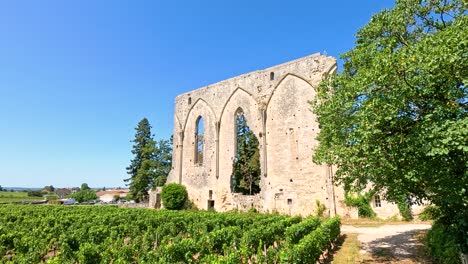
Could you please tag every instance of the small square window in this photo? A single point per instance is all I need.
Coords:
(289, 201)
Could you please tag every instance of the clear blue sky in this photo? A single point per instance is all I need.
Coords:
(77, 76)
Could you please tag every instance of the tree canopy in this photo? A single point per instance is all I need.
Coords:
(84, 186)
(151, 163)
(396, 116)
(48, 188)
(84, 196)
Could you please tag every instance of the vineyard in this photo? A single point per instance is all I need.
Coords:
(105, 234)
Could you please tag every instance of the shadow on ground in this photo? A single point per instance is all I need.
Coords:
(404, 247)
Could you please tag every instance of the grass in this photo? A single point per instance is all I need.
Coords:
(348, 251)
(15, 197)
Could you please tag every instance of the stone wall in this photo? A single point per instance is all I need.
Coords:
(275, 104)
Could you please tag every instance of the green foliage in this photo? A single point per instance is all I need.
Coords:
(362, 202)
(320, 208)
(174, 196)
(36, 193)
(48, 189)
(253, 210)
(162, 161)
(51, 196)
(246, 166)
(84, 196)
(15, 197)
(151, 163)
(107, 234)
(309, 248)
(405, 208)
(397, 116)
(442, 245)
(431, 212)
(191, 206)
(296, 232)
(84, 187)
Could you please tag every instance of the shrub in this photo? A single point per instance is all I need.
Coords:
(441, 244)
(174, 196)
(84, 196)
(51, 196)
(296, 232)
(362, 202)
(253, 210)
(36, 193)
(405, 211)
(320, 208)
(431, 212)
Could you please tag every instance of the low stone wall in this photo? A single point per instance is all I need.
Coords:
(245, 202)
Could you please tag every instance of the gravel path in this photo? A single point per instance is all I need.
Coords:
(396, 240)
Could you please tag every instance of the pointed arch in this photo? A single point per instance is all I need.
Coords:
(199, 101)
(289, 75)
(238, 89)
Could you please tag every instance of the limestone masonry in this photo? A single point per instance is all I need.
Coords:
(275, 104)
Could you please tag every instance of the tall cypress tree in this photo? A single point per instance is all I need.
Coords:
(140, 169)
(246, 167)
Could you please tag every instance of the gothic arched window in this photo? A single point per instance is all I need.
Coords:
(199, 141)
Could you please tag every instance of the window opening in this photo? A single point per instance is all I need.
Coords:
(190, 100)
(211, 204)
(377, 201)
(272, 76)
(199, 141)
(246, 166)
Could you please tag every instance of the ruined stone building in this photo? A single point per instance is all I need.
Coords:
(275, 104)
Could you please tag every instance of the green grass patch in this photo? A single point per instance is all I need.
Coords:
(348, 251)
(16, 197)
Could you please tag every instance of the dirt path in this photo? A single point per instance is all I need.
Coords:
(389, 243)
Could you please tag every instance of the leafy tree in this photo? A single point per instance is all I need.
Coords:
(84, 196)
(1, 189)
(84, 187)
(151, 163)
(396, 116)
(162, 161)
(246, 167)
(174, 196)
(38, 193)
(49, 188)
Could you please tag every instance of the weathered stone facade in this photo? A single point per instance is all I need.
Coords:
(275, 103)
